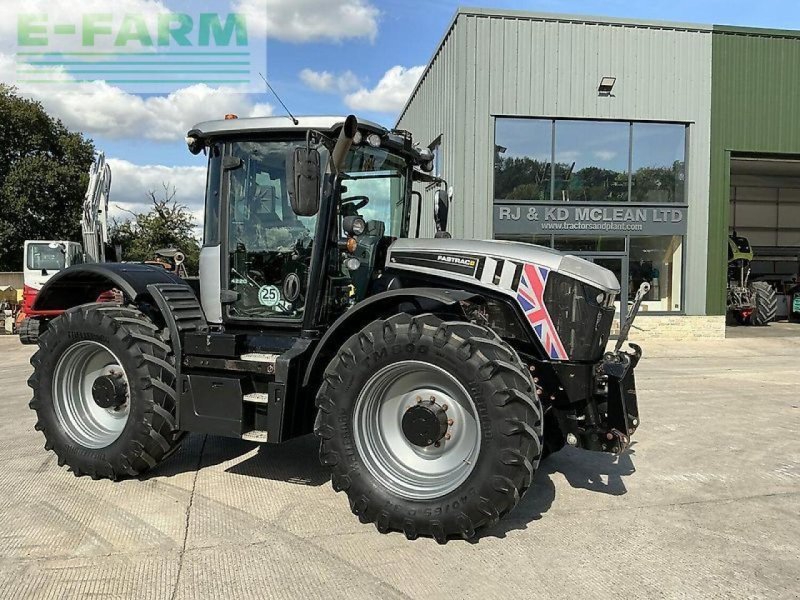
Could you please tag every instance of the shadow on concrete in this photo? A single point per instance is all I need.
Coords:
(594, 471)
(198, 450)
(295, 461)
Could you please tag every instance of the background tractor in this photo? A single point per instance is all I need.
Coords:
(749, 302)
(435, 372)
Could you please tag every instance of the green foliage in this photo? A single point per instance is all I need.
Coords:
(528, 179)
(166, 225)
(44, 171)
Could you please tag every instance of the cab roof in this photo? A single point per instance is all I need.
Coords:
(280, 123)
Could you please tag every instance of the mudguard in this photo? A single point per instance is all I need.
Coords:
(82, 284)
(415, 300)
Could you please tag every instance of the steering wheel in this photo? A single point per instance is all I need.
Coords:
(354, 203)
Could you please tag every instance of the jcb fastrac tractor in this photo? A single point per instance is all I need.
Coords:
(436, 372)
(749, 302)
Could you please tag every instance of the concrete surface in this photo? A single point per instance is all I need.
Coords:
(706, 505)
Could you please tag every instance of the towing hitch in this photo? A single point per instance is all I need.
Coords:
(622, 412)
(609, 415)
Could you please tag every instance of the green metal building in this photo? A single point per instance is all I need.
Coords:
(638, 145)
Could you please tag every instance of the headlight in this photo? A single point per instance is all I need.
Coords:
(374, 140)
(354, 225)
(358, 138)
(352, 264)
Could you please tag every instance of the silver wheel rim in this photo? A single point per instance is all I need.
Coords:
(88, 424)
(410, 471)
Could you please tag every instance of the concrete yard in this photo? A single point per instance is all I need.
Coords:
(705, 505)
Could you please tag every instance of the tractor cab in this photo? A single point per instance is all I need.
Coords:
(277, 199)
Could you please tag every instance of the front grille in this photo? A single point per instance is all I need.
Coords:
(581, 314)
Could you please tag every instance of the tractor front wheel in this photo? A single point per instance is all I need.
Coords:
(103, 391)
(431, 428)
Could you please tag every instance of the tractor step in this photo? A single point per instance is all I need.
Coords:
(260, 357)
(257, 398)
(256, 435)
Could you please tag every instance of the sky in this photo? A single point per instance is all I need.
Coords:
(322, 57)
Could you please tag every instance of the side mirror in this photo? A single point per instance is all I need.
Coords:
(231, 163)
(303, 181)
(441, 210)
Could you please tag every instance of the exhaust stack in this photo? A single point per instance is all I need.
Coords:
(344, 142)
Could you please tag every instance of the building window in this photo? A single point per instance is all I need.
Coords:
(658, 260)
(591, 161)
(589, 243)
(539, 240)
(658, 163)
(523, 154)
(568, 160)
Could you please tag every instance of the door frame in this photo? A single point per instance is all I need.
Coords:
(622, 256)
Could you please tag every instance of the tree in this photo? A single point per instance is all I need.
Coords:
(166, 225)
(44, 171)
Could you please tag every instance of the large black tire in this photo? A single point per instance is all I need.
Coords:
(149, 434)
(509, 414)
(29, 331)
(766, 303)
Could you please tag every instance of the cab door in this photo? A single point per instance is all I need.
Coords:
(269, 247)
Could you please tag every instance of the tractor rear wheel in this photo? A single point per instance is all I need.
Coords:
(430, 427)
(103, 391)
(766, 303)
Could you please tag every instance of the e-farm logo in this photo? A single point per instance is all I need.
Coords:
(139, 52)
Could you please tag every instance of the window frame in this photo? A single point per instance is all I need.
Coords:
(630, 122)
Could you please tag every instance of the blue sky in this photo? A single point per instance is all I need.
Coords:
(409, 31)
(366, 63)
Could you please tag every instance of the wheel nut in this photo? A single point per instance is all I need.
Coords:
(419, 399)
(535, 380)
(433, 399)
(436, 444)
(450, 422)
(447, 436)
(532, 368)
(444, 406)
(609, 436)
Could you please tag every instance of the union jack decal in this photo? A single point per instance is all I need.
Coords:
(530, 295)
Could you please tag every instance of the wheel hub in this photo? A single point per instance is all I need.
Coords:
(416, 428)
(110, 391)
(425, 424)
(91, 396)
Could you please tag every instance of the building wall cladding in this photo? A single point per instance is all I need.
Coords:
(495, 64)
(755, 110)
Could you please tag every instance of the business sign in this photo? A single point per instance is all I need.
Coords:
(141, 47)
(573, 218)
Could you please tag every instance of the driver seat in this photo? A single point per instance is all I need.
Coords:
(366, 252)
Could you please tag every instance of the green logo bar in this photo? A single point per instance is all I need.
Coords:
(134, 49)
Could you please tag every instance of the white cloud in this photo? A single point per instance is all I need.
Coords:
(605, 155)
(325, 81)
(130, 184)
(310, 20)
(391, 93)
(98, 108)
